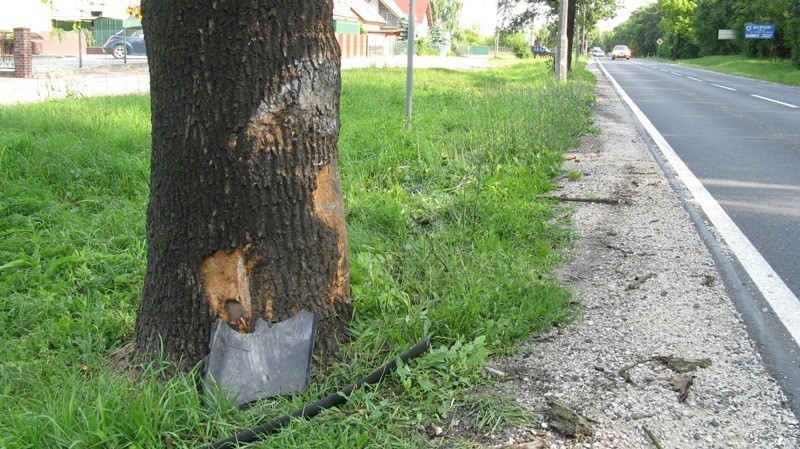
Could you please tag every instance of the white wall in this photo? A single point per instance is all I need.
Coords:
(38, 15)
(31, 14)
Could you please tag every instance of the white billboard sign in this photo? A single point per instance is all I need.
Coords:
(725, 34)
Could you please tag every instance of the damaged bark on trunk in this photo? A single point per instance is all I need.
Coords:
(245, 218)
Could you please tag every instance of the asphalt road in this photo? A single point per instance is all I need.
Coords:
(740, 138)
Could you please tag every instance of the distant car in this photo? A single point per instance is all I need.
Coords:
(621, 51)
(540, 51)
(129, 40)
(598, 52)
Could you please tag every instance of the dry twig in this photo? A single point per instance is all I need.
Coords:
(612, 201)
(639, 280)
(652, 437)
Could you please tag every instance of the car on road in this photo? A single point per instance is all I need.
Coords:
(128, 41)
(540, 51)
(621, 51)
(598, 52)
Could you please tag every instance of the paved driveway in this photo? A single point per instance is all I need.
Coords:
(62, 77)
(103, 75)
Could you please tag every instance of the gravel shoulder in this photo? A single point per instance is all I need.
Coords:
(649, 290)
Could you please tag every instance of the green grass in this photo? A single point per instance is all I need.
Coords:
(447, 238)
(778, 71)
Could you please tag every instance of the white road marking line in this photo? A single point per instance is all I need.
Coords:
(775, 101)
(783, 302)
(676, 73)
(694, 79)
(724, 87)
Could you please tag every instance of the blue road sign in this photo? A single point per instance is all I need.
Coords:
(759, 31)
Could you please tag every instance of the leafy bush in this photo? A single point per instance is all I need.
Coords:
(423, 47)
(518, 44)
(469, 36)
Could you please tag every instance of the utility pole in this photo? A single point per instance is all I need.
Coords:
(410, 63)
(584, 32)
(563, 44)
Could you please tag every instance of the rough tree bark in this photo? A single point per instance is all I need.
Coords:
(245, 218)
(571, 5)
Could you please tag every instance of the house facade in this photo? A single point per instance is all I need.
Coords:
(365, 28)
(395, 11)
(54, 20)
(362, 31)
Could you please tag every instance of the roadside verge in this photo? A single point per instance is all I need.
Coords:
(650, 292)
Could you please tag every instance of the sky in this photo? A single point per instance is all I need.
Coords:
(626, 8)
(480, 12)
(484, 14)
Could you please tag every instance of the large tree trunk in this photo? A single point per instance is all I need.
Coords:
(570, 31)
(245, 218)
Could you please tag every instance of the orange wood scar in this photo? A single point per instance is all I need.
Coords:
(226, 281)
(329, 208)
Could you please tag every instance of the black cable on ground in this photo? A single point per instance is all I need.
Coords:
(313, 409)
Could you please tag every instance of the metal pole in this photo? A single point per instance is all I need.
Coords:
(410, 64)
(124, 43)
(563, 44)
(80, 50)
(499, 21)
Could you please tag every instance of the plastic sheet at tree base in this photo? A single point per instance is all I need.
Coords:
(269, 362)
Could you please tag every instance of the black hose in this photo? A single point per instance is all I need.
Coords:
(313, 409)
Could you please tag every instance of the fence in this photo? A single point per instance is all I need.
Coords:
(479, 50)
(352, 45)
(7, 51)
(103, 29)
(20, 44)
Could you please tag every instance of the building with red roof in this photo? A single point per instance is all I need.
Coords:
(396, 11)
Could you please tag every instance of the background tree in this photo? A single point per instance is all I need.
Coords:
(468, 36)
(548, 33)
(710, 17)
(520, 14)
(245, 218)
(517, 42)
(677, 24)
(589, 13)
(516, 15)
(691, 27)
(446, 14)
(793, 31)
(404, 30)
(640, 32)
(438, 36)
(765, 11)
